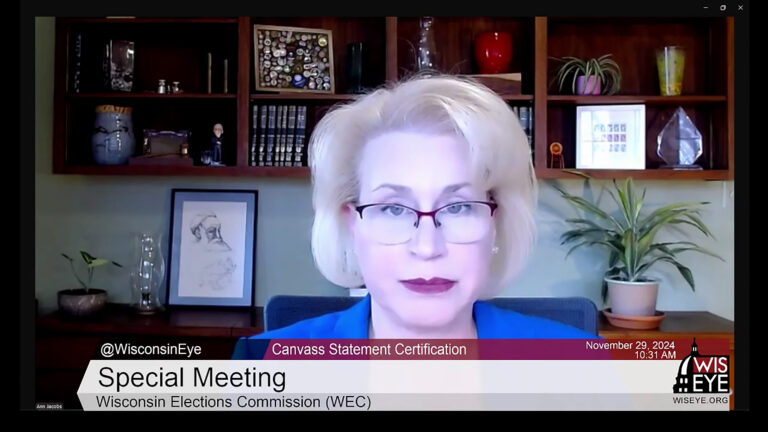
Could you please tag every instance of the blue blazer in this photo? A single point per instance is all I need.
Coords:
(491, 321)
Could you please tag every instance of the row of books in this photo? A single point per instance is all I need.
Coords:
(525, 115)
(278, 135)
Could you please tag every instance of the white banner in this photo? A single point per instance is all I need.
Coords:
(388, 385)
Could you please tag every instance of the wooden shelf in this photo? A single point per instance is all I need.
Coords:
(153, 170)
(648, 174)
(511, 97)
(708, 91)
(150, 95)
(121, 319)
(638, 99)
(681, 325)
(304, 96)
(350, 97)
(64, 346)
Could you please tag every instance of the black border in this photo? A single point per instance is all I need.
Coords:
(168, 267)
(648, 8)
(742, 248)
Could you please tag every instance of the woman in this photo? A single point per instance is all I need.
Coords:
(425, 194)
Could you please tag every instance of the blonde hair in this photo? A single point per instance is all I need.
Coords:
(500, 160)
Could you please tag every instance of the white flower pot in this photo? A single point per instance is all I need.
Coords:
(633, 298)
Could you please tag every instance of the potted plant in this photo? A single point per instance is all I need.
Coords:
(630, 239)
(592, 76)
(84, 301)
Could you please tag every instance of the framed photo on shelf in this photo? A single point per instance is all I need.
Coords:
(610, 137)
(212, 252)
(293, 59)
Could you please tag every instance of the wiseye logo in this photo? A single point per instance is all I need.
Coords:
(702, 374)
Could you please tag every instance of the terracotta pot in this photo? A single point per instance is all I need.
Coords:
(493, 52)
(82, 303)
(633, 298)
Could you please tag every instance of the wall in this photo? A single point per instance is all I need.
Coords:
(100, 213)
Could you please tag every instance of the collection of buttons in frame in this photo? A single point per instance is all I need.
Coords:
(289, 59)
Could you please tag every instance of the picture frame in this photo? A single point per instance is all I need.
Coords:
(164, 148)
(285, 66)
(610, 137)
(166, 143)
(212, 255)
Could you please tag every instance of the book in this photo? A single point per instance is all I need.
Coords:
(262, 133)
(278, 135)
(530, 132)
(290, 135)
(301, 125)
(271, 120)
(525, 117)
(254, 134)
(284, 128)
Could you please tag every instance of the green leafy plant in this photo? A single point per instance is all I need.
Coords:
(603, 67)
(91, 263)
(630, 238)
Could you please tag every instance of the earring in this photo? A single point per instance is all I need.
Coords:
(495, 250)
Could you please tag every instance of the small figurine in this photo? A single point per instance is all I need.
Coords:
(216, 141)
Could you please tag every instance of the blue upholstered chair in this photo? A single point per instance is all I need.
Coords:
(579, 312)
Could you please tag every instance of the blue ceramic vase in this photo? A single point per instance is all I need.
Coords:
(113, 142)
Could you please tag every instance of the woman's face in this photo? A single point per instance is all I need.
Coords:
(424, 172)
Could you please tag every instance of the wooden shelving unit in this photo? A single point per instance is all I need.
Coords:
(176, 49)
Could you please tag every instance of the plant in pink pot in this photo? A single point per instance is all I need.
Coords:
(630, 241)
(594, 76)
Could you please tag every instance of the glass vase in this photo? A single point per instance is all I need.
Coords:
(426, 50)
(148, 273)
(670, 62)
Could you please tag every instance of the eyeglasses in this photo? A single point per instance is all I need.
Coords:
(459, 222)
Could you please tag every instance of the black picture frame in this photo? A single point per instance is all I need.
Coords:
(212, 248)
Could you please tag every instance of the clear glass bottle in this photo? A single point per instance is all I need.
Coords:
(426, 51)
(148, 273)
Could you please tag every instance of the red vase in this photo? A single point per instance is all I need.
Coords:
(493, 52)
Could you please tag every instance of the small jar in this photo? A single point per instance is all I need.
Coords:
(161, 87)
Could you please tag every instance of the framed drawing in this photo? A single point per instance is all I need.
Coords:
(293, 59)
(610, 137)
(212, 248)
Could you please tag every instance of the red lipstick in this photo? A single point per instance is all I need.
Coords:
(431, 286)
